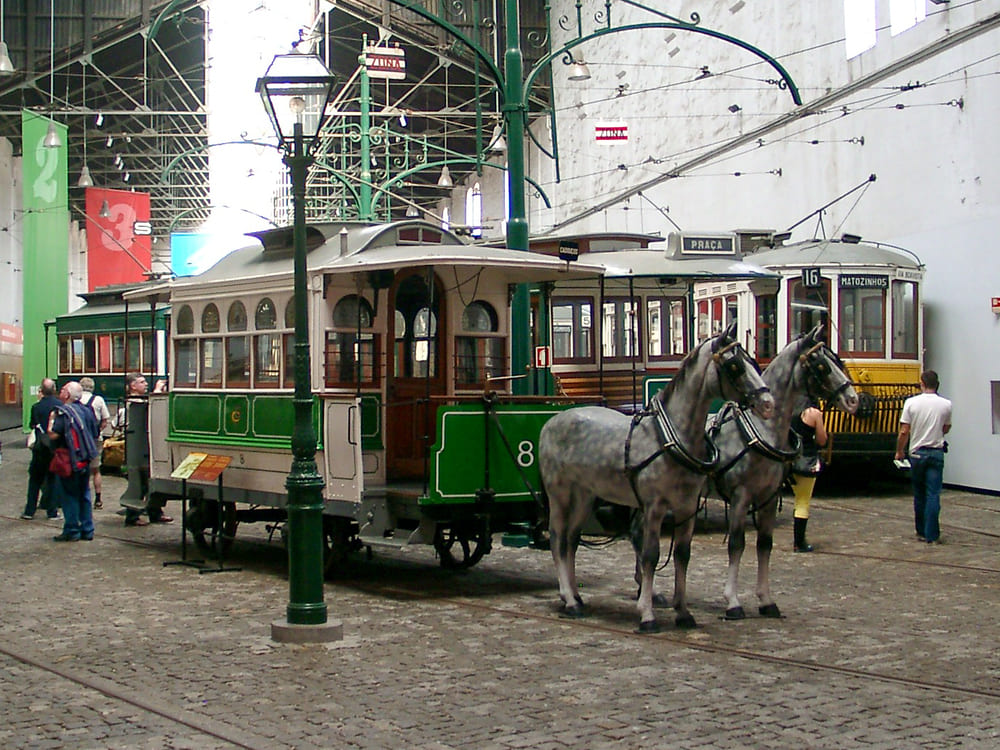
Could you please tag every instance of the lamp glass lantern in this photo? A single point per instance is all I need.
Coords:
(296, 88)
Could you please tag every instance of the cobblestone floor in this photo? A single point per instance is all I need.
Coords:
(885, 642)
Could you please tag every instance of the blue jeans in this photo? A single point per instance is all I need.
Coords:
(78, 519)
(926, 474)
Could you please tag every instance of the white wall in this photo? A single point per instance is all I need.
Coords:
(937, 191)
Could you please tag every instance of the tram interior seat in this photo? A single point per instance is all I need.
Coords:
(615, 390)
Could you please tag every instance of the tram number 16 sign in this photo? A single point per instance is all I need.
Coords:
(811, 278)
(543, 356)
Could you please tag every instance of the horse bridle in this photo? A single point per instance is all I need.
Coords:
(817, 369)
(733, 368)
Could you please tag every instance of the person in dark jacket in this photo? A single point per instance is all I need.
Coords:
(74, 427)
(39, 480)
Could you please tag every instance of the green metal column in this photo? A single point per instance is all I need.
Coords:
(517, 221)
(365, 189)
(304, 484)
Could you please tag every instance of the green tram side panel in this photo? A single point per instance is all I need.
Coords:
(457, 467)
(237, 419)
(371, 422)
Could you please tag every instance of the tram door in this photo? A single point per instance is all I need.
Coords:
(416, 370)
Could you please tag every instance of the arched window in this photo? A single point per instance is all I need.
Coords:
(237, 347)
(266, 346)
(185, 349)
(479, 349)
(236, 320)
(351, 352)
(211, 348)
(210, 319)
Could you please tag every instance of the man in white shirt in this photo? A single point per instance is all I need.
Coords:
(100, 407)
(926, 419)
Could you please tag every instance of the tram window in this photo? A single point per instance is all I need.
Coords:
(350, 358)
(133, 350)
(288, 347)
(572, 339)
(236, 318)
(266, 360)
(118, 352)
(90, 354)
(904, 319)
(862, 322)
(64, 353)
(104, 353)
(620, 334)
(732, 310)
(665, 323)
(185, 320)
(716, 316)
(479, 351)
(266, 317)
(808, 307)
(703, 322)
(211, 362)
(147, 351)
(238, 361)
(767, 333)
(210, 319)
(186, 362)
(423, 361)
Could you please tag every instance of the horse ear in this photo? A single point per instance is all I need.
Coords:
(818, 334)
(730, 332)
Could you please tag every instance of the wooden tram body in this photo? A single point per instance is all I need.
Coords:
(420, 436)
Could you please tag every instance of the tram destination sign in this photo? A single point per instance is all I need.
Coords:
(701, 243)
(864, 281)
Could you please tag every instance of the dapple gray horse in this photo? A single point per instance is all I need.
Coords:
(655, 461)
(755, 454)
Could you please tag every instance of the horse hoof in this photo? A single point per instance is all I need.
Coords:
(661, 601)
(685, 622)
(735, 613)
(573, 613)
(770, 610)
(649, 626)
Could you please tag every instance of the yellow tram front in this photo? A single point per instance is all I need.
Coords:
(868, 294)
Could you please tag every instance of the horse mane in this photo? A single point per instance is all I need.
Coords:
(678, 380)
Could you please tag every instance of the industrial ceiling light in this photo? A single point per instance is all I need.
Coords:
(445, 180)
(105, 212)
(52, 139)
(85, 180)
(412, 212)
(498, 144)
(578, 71)
(6, 65)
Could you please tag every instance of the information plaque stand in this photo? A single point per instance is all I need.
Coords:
(201, 467)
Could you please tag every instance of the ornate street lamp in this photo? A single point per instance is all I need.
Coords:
(296, 90)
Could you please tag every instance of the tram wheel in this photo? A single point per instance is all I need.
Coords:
(339, 540)
(461, 545)
(203, 523)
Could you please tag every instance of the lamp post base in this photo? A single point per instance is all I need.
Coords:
(327, 632)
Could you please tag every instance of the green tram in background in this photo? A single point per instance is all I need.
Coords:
(422, 436)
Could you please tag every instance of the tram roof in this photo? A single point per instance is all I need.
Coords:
(635, 263)
(835, 252)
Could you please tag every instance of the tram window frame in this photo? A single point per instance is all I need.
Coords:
(630, 338)
(342, 336)
(210, 362)
(703, 325)
(766, 330)
(237, 346)
(104, 357)
(583, 339)
(186, 356)
(665, 328)
(288, 346)
(480, 352)
(266, 347)
(795, 325)
(855, 306)
(909, 315)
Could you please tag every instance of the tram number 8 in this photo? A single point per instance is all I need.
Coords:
(525, 453)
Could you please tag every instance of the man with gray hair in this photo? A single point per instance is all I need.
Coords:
(39, 480)
(73, 428)
(99, 405)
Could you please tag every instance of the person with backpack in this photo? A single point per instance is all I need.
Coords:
(103, 414)
(39, 479)
(74, 431)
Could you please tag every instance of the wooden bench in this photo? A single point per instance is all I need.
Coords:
(614, 390)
